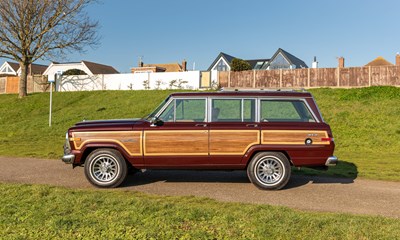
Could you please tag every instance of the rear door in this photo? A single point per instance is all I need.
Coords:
(233, 129)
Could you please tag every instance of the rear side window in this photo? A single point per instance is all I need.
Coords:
(233, 110)
(285, 111)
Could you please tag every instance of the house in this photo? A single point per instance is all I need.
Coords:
(221, 63)
(379, 61)
(13, 69)
(280, 60)
(10, 73)
(284, 60)
(9, 68)
(162, 67)
(90, 68)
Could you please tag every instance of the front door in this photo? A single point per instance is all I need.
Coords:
(182, 139)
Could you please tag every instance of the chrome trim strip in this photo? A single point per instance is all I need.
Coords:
(164, 107)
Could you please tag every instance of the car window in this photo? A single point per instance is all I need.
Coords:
(249, 110)
(233, 110)
(155, 111)
(285, 111)
(168, 114)
(185, 110)
(190, 110)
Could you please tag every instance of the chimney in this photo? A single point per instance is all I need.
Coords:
(398, 59)
(315, 63)
(184, 65)
(140, 62)
(341, 62)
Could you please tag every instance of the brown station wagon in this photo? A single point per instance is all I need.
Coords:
(263, 132)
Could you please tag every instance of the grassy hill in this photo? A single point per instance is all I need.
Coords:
(365, 124)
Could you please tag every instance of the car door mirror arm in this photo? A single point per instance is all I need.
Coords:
(156, 122)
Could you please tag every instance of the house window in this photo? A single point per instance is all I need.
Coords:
(258, 65)
(221, 66)
(279, 62)
(7, 69)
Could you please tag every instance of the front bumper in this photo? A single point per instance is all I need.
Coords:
(331, 161)
(68, 158)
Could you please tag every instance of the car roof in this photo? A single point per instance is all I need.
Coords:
(258, 93)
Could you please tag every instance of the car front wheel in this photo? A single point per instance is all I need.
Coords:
(269, 170)
(105, 168)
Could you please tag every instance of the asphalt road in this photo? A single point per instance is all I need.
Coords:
(303, 192)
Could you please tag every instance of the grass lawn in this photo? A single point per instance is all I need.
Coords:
(365, 124)
(43, 212)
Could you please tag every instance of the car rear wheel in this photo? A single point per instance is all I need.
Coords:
(269, 170)
(105, 168)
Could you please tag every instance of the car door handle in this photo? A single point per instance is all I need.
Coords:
(251, 125)
(201, 125)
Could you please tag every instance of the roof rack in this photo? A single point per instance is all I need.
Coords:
(263, 90)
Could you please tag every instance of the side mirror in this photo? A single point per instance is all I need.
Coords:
(156, 122)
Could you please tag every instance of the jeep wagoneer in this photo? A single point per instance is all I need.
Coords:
(262, 132)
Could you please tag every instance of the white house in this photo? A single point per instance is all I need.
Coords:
(9, 68)
(13, 69)
(90, 68)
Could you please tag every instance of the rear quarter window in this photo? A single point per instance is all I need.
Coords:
(285, 111)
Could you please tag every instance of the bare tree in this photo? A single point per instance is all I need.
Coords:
(37, 29)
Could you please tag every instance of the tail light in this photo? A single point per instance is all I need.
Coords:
(328, 139)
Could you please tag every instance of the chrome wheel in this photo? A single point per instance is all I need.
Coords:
(269, 170)
(104, 168)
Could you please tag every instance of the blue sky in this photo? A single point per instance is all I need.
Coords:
(170, 31)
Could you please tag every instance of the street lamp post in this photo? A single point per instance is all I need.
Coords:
(52, 79)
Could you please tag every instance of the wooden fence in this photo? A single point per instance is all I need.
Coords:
(312, 77)
(36, 83)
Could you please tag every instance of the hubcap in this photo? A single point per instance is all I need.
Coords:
(104, 168)
(269, 170)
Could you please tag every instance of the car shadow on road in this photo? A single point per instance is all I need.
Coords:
(345, 174)
(344, 169)
(153, 176)
(301, 180)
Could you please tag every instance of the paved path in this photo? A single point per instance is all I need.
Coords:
(303, 192)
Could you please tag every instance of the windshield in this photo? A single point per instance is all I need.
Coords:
(152, 114)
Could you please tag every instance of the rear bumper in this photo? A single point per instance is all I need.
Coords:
(68, 158)
(331, 161)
